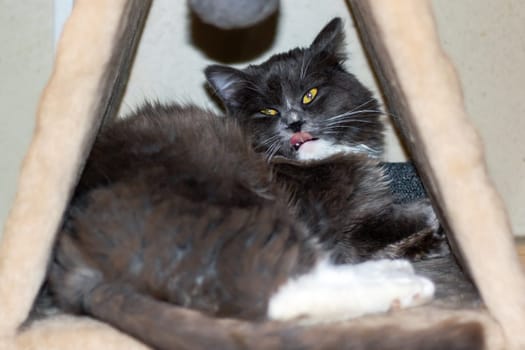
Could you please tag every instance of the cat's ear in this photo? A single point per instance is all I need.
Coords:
(226, 82)
(330, 39)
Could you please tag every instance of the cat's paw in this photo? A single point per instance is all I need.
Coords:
(383, 266)
(386, 284)
(331, 293)
(70, 278)
(402, 288)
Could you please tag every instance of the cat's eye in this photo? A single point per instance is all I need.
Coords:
(269, 112)
(309, 96)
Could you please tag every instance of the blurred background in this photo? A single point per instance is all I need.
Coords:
(484, 38)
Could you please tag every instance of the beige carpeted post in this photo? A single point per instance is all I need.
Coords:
(422, 89)
(91, 67)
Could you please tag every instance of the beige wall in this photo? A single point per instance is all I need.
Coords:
(486, 40)
(171, 58)
(484, 37)
(26, 53)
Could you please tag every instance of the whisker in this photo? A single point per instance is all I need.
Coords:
(389, 114)
(270, 140)
(272, 149)
(349, 120)
(343, 126)
(273, 153)
(371, 99)
(350, 113)
(331, 133)
(346, 120)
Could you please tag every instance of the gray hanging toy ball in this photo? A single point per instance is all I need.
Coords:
(231, 14)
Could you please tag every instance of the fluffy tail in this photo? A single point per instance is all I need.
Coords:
(165, 326)
(79, 288)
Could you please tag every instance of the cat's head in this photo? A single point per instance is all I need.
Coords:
(302, 104)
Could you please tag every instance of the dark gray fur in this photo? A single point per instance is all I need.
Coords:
(180, 209)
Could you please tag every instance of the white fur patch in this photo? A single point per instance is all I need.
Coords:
(338, 292)
(320, 149)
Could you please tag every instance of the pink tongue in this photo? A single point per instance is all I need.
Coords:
(299, 138)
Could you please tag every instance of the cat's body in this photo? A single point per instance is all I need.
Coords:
(178, 205)
(321, 130)
(188, 219)
(245, 216)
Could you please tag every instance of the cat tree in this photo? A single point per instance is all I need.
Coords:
(420, 85)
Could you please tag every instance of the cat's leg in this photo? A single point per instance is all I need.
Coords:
(420, 211)
(424, 238)
(409, 218)
(395, 231)
(336, 292)
(422, 245)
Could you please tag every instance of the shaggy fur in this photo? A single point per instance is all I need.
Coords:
(175, 206)
(35, 216)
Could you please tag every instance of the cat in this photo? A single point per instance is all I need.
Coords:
(187, 226)
(322, 132)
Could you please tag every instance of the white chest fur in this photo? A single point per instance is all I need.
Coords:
(320, 149)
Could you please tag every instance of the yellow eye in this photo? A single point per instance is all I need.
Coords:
(269, 111)
(309, 96)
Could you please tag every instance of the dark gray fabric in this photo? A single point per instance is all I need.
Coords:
(404, 182)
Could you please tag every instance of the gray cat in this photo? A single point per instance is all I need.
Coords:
(279, 211)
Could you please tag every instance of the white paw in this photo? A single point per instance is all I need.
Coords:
(396, 289)
(332, 293)
(384, 266)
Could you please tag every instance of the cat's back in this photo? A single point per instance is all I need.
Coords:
(186, 148)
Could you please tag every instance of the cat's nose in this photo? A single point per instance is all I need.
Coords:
(294, 121)
(295, 126)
